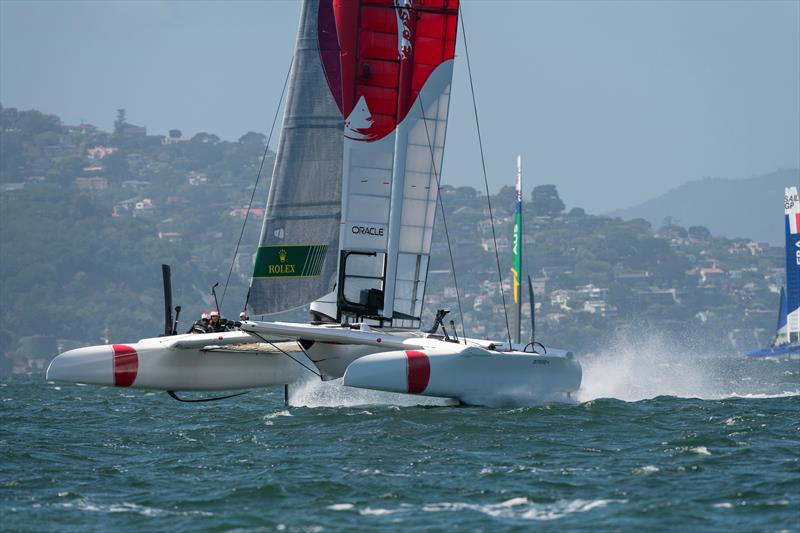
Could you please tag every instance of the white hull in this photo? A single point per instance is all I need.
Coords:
(178, 363)
(478, 372)
(415, 363)
(470, 374)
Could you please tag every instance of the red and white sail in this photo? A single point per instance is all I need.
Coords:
(395, 71)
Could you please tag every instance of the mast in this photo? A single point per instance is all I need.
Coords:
(516, 267)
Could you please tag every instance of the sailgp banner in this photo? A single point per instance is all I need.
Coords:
(289, 261)
(791, 207)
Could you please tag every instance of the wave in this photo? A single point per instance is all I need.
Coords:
(518, 508)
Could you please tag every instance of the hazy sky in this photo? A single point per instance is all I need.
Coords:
(614, 102)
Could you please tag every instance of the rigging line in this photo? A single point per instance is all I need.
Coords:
(485, 179)
(287, 354)
(444, 218)
(255, 187)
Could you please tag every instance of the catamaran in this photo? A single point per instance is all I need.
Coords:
(786, 343)
(347, 231)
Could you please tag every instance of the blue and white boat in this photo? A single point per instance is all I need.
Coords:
(786, 343)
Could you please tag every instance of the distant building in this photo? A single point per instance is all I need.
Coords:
(595, 307)
(136, 185)
(712, 276)
(503, 244)
(171, 236)
(539, 286)
(627, 276)
(174, 140)
(197, 178)
(93, 183)
(653, 296)
(241, 212)
(145, 206)
(97, 153)
(14, 186)
(124, 208)
(130, 131)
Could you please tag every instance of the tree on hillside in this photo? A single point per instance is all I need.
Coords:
(205, 138)
(116, 167)
(253, 138)
(545, 201)
(700, 233)
(65, 169)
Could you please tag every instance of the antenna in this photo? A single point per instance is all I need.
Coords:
(166, 275)
(214, 292)
(533, 309)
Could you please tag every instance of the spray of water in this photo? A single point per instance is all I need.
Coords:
(311, 392)
(651, 363)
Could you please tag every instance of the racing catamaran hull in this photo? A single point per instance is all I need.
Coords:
(206, 362)
(473, 371)
(470, 374)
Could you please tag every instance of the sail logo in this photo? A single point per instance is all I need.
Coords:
(789, 200)
(367, 230)
(402, 9)
(289, 261)
(359, 122)
(282, 268)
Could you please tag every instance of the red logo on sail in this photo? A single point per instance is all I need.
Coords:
(387, 51)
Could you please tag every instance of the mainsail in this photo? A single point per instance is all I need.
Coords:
(782, 330)
(297, 254)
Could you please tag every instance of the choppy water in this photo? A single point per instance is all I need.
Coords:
(651, 443)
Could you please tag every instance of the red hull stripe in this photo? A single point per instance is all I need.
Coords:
(126, 365)
(418, 371)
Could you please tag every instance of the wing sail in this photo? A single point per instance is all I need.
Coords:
(396, 68)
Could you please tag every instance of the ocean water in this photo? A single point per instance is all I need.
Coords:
(655, 440)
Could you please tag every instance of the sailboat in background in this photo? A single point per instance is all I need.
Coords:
(348, 227)
(787, 336)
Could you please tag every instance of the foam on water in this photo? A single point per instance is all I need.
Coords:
(522, 508)
(311, 392)
(518, 508)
